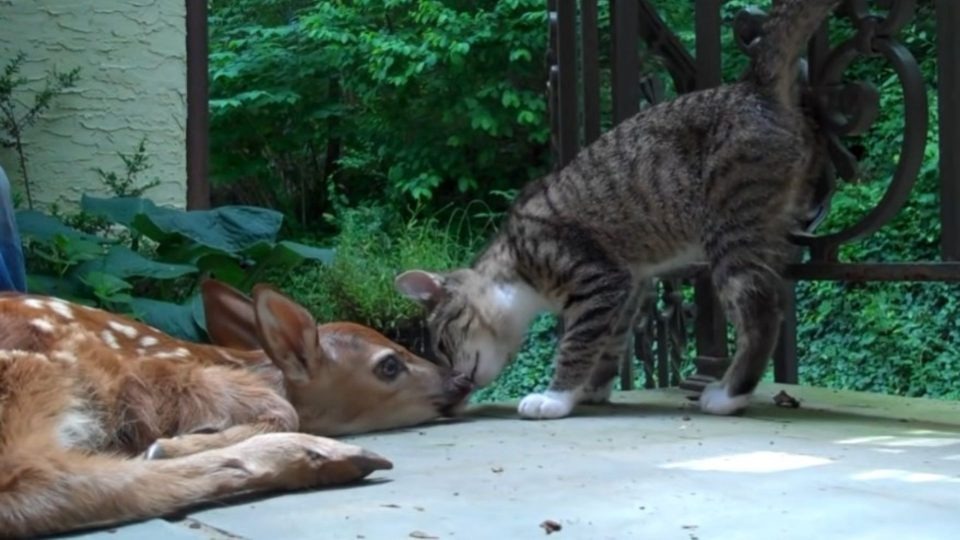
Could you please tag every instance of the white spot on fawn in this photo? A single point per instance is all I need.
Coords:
(42, 324)
(148, 341)
(66, 357)
(33, 303)
(61, 308)
(124, 329)
(179, 352)
(16, 354)
(110, 339)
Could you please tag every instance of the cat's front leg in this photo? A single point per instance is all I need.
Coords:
(591, 325)
(601, 382)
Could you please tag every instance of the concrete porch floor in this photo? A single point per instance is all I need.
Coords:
(650, 466)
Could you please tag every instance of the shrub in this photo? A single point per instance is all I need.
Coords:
(409, 100)
(373, 246)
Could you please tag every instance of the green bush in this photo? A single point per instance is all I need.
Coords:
(318, 102)
(373, 246)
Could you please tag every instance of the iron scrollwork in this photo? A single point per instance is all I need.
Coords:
(843, 108)
(840, 108)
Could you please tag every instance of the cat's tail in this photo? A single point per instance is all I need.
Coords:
(789, 27)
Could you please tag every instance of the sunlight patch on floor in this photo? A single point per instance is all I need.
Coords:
(751, 462)
(904, 476)
(901, 441)
(932, 432)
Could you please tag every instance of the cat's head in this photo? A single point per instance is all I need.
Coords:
(471, 326)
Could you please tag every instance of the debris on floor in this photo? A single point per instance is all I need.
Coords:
(422, 535)
(784, 399)
(550, 526)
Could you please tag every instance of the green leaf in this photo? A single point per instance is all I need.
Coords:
(120, 210)
(76, 250)
(229, 228)
(174, 319)
(109, 289)
(222, 267)
(40, 226)
(124, 263)
(310, 253)
(65, 288)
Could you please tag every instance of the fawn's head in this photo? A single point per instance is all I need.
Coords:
(341, 377)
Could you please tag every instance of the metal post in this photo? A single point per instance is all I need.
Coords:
(590, 44)
(624, 24)
(785, 357)
(708, 43)
(711, 324)
(567, 90)
(948, 83)
(198, 120)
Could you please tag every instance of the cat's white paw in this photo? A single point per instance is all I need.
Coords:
(547, 405)
(715, 400)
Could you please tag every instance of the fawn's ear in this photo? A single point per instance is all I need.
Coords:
(288, 334)
(422, 286)
(230, 319)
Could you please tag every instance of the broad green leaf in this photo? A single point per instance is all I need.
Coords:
(66, 288)
(120, 210)
(124, 263)
(222, 267)
(284, 256)
(40, 226)
(174, 319)
(182, 251)
(310, 253)
(76, 250)
(229, 228)
(105, 284)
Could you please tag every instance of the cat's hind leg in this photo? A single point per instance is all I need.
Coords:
(750, 288)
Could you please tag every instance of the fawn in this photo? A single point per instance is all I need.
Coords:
(105, 420)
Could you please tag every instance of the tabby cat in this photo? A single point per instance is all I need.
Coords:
(720, 175)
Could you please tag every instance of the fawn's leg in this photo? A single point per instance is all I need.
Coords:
(46, 490)
(226, 407)
(201, 440)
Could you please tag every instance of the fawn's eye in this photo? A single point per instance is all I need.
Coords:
(389, 368)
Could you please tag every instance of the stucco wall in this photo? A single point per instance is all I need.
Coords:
(132, 56)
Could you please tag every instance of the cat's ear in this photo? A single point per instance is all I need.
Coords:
(421, 286)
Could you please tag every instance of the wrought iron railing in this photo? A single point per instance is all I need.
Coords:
(842, 108)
